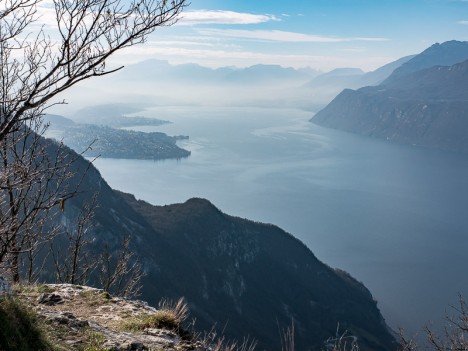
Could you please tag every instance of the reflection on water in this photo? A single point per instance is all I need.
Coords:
(394, 216)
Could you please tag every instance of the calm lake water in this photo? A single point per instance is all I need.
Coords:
(395, 217)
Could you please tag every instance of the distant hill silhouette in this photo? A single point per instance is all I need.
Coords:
(326, 86)
(380, 74)
(337, 77)
(157, 70)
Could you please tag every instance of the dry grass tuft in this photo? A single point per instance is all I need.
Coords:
(170, 316)
(211, 341)
(342, 342)
(179, 310)
(287, 338)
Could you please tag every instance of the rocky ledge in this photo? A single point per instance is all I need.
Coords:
(83, 317)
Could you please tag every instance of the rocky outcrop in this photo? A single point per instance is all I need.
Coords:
(81, 316)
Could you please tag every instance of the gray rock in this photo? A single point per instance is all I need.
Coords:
(111, 345)
(60, 320)
(67, 318)
(76, 323)
(50, 299)
(74, 342)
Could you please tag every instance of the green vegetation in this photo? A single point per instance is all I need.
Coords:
(96, 342)
(32, 289)
(158, 320)
(20, 328)
(44, 289)
(95, 299)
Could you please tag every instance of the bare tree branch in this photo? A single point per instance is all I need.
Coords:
(36, 65)
(90, 32)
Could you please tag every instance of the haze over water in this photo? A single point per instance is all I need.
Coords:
(393, 216)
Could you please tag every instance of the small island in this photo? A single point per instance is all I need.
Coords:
(98, 140)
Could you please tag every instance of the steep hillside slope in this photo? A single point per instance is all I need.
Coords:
(253, 277)
(246, 278)
(428, 107)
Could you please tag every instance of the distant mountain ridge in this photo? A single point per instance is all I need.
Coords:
(445, 54)
(261, 85)
(426, 106)
(161, 70)
(380, 74)
(328, 85)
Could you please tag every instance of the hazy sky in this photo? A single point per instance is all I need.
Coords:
(323, 34)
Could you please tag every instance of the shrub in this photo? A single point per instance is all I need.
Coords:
(20, 328)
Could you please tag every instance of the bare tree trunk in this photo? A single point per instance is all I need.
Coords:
(121, 272)
(71, 252)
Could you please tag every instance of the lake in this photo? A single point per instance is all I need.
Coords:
(395, 217)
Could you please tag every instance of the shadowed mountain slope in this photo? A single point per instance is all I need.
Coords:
(252, 277)
(244, 278)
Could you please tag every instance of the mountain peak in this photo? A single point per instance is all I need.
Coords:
(200, 205)
(426, 107)
(439, 54)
